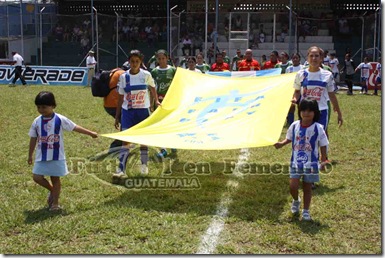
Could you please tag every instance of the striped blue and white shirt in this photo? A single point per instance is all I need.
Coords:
(365, 70)
(306, 142)
(135, 89)
(315, 85)
(49, 134)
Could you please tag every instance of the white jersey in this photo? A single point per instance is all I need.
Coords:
(135, 89)
(365, 69)
(292, 69)
(315, 85)
(49, 133)
(378, 68)
(326, 61)
(18, 59)
(306, 142)
(334, 65)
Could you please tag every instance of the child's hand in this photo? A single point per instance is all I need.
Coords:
(94, 135)
(29, 160)
(323, 165)
(278, 145)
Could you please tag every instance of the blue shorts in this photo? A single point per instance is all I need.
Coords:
(308, 175)
(378, 80)
(133, 117)
(324, 118)
(364, 79)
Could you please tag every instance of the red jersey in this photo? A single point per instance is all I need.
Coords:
(251, 65)
(269, 65)
(220, 67)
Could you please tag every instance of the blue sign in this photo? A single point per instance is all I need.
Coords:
(47, 75)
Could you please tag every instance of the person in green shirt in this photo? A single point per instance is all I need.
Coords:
(237, 58)
(201, 65)
(285, 63)
(226, 58)
(163, 75)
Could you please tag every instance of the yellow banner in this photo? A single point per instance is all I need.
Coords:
(207, 112)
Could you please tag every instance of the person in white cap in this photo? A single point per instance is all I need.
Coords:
(90, 62)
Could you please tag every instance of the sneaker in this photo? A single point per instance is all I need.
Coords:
(119, 173)
(350, 93)
(295, 205)
(306, 215)
(144, 169)
(162, 154)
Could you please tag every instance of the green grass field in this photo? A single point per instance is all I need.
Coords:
(99, 217)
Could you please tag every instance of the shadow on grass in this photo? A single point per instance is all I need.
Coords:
(322, 189)
(36, 216)
(308, 227)
(256, 197)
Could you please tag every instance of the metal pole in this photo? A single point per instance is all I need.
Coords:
(21, 28)
(35, 12)
(92, 23)
(117, 40)
(41, 36)
(274, 32)
(170, 30)
(168, 26)
(97, 39)
(216, 27)
(362, 38)
(206, 24)
(375, 34)
(290, 25)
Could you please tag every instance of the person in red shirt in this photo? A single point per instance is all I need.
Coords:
(249, 63)
(272, 62)
(219, 65)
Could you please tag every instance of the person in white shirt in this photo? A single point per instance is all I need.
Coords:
(377, 72)
(18, 61)
(333, 63)
(365, 68)
(91, 63)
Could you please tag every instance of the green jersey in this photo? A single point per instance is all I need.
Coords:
(283, 66)
(236, 59)
(203, 67)
(226, 59)
(163, 78)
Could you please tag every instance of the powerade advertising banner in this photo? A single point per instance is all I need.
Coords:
(47, 75)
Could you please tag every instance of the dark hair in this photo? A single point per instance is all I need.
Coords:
(191, 58)
(45, 98)
(274, 52)
(135, 52)
(161, 51)
(296, 54)
(309, 104)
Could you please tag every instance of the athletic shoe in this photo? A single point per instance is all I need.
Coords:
(306, 215)
(162, 154)
(350, 93)
(119, 173)
(144, 170)
(295, 205)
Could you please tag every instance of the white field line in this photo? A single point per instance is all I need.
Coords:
(210, 239)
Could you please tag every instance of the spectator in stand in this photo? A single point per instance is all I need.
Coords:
(272, 62)
(150, 35)
(236, 59)
(67, 33)
(59, 32)
(238, 23)
(197, 43)
(219, 65)
(84, 45)
(186, 45)
(348, 70)
(76, 34)
(263, 61)
(210, 53)
(249, 63)
(226, 58)
(126, 31)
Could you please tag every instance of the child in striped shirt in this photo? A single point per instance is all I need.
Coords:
(46, 135)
